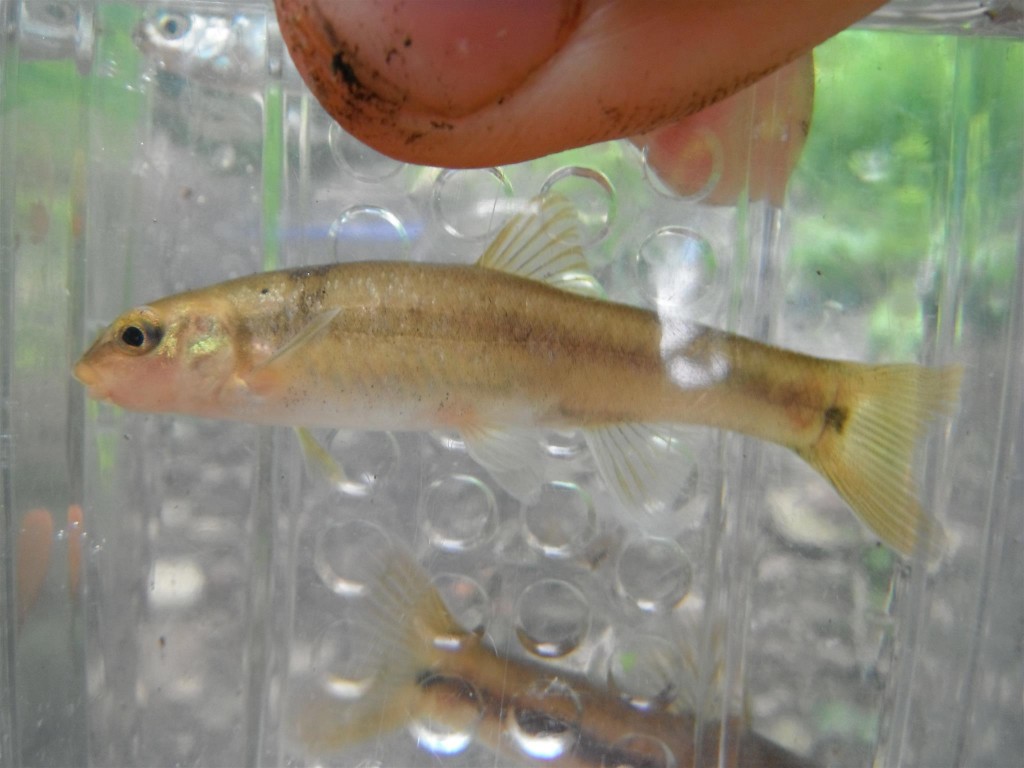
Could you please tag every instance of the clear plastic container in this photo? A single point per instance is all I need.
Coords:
(172, 586)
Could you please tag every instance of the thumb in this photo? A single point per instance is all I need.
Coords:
(466, 83)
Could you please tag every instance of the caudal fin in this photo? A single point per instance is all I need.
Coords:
(867, 447)
(392, 646)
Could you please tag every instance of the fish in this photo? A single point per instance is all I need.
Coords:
(228, 50)
(416, 667)
(214, 47)
(523, 339)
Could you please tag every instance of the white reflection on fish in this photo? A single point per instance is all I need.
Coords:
(524, 339)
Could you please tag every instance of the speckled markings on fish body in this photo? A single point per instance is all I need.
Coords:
(522, 339)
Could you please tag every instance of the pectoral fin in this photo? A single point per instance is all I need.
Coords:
(317, 325)
(543, 243)
(267, 375)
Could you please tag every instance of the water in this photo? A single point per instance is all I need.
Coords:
(208, 573)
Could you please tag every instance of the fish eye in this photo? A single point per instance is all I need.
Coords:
(173, 26)
(140, 332)
(133, 336)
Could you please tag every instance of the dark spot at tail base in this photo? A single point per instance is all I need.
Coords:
(835, 417)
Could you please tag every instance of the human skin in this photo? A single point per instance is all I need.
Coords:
(475, 83)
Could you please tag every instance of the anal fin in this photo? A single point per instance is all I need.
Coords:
(643, 465)
(512, 456)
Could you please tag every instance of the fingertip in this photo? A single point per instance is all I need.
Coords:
(373, 64)
(746, 145)
(461, 84)
(456, 56)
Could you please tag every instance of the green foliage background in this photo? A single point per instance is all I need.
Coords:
(915, 148)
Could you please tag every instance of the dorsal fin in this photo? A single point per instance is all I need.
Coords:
(543, 243)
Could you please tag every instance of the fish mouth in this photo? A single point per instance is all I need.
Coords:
(87, 375)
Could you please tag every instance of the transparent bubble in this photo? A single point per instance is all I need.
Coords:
(545, 719)
(591, 194)
(465, 599)
(368, 233)
(676, 268)
(349, 555)
(872, 165)
(223, 157)
(368, 458)
(653, 573)
(704, 149)
(346, 658)
(365, 163)
(552, 618)
(472, 204)
(459, 512)
(449, 441)
(447, 721)
(638, 750)
(646, 671)
(564, 444)
(560, 521)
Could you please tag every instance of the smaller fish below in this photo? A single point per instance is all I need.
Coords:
(419, 669)
(525, 339)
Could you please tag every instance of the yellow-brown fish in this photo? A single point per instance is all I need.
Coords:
(415, 666)
(522, 339)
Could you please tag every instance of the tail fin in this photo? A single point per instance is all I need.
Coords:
(867, 447)
(400, 635)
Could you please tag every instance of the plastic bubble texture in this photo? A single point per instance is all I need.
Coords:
(180, 586)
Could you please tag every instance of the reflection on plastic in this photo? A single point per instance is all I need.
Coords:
(33, 552)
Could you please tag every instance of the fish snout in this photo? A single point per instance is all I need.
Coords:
(84, 372)
(87, 374)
